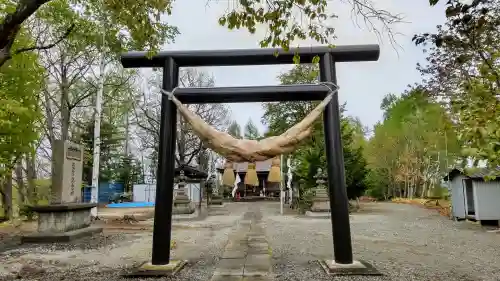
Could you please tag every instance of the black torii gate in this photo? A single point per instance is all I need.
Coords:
(171, 61)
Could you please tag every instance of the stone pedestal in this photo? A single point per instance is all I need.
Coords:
(66, 218)
(151, 270)
(182, 203)
(62, 223)
(321, 201)
(216, 200)
(354, 268)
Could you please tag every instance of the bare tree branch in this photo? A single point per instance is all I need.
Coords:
(49, 46)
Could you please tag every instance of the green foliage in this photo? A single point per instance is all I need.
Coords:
(412, 147)
(311, 154)
(111, 142)
(305, 199)
(21, 81)
(463, 71)
(129, 171)
(234, 130)
(479, 114)
(128, 24)
(278, 18)
(251, 131)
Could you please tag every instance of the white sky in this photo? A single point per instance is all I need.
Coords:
(363, 85)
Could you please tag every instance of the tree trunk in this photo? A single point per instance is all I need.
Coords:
(31, 175)
(11, 24)
(407, 188)
(49, 123)
(21, 187)
(65, 110)
(7, 196)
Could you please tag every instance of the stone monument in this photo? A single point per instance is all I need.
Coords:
(66, 217)
(182, 203)
(216, 197)
(321, 200)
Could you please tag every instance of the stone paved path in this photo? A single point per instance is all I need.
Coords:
(247, 256)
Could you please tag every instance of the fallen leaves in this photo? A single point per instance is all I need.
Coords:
(442, 206)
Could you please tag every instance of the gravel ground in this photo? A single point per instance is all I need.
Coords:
(107, 256)
(404, 242)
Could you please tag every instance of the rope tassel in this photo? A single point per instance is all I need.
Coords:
(251, 175)
(228, 177)
(275, 173)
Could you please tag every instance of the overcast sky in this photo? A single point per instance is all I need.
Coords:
(362, 85)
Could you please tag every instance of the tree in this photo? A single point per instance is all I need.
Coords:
(129, 171)
(411, 148)
(21, 79)
(234, 130)
(311, 154)
(284, 21)
(189, 146)
(251, 131)
(110, 153)
(463, 72)
(140, 21)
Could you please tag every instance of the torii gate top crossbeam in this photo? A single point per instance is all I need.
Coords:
(264, 56)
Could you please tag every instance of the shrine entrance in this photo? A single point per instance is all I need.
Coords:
(171, 61)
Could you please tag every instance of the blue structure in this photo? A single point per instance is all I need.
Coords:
(106, 190)
(131, 205)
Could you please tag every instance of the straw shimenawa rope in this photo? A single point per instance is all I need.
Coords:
(241, 150)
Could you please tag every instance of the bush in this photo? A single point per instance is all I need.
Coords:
(376, 193)
(305, 200)
(27, 212)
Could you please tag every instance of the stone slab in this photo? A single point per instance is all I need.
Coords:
(234, 254)
(230, 267)
(258, 278)
(61, 236)
(320, 205)
(187, 217)
(63, 207)
(256, 237)
(258, 244)
(257, 265)
(216, 204)
(236, 247)
(258, 250)
(227, 278)
(238, 237)
(150, 270)
(183, 210)
(318, 214)
(232, 264)
(356, 268)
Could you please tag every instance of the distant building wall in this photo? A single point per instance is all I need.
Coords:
(106, 190)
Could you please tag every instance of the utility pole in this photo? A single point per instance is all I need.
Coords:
(97, 123)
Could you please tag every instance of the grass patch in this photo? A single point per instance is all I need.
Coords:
(42, 194)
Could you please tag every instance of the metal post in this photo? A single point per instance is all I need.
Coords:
(281, 184)
(166, 165)
(339, 205)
